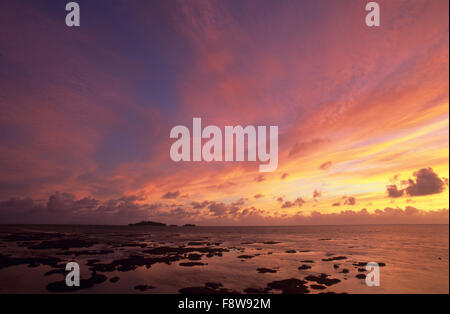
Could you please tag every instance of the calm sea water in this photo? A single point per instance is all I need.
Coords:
(416, 256)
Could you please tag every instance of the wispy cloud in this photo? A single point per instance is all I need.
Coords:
(89, 112)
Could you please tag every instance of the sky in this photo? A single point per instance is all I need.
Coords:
(362, 112)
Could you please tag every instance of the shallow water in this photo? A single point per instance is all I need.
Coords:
(416, 257)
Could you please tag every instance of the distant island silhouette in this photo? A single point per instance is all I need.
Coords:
(157, 224)
(149, 223)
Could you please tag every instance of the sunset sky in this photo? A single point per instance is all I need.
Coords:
(86, 112)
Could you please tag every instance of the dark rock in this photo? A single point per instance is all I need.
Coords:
(331, 292)
(289, 286)
(86, 252)
(265, 270)
(323, 279)
(60, 286)
(246, 256)
(114, 279)
(193, 243)
(7, 261)
(303, 267)
(194, 257)
(56, 271)
(134, 244)
(227, 291)
(91, 262)
(190, 264)
(363, 264)
(143, 287)
(132, 262)
(335, 258)
(317, 287)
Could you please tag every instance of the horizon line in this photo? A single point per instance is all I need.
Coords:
(196, 226)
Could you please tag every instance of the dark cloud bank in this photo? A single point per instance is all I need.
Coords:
(425, 182)
(65, 208)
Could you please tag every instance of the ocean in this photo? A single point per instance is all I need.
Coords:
(288, 259)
